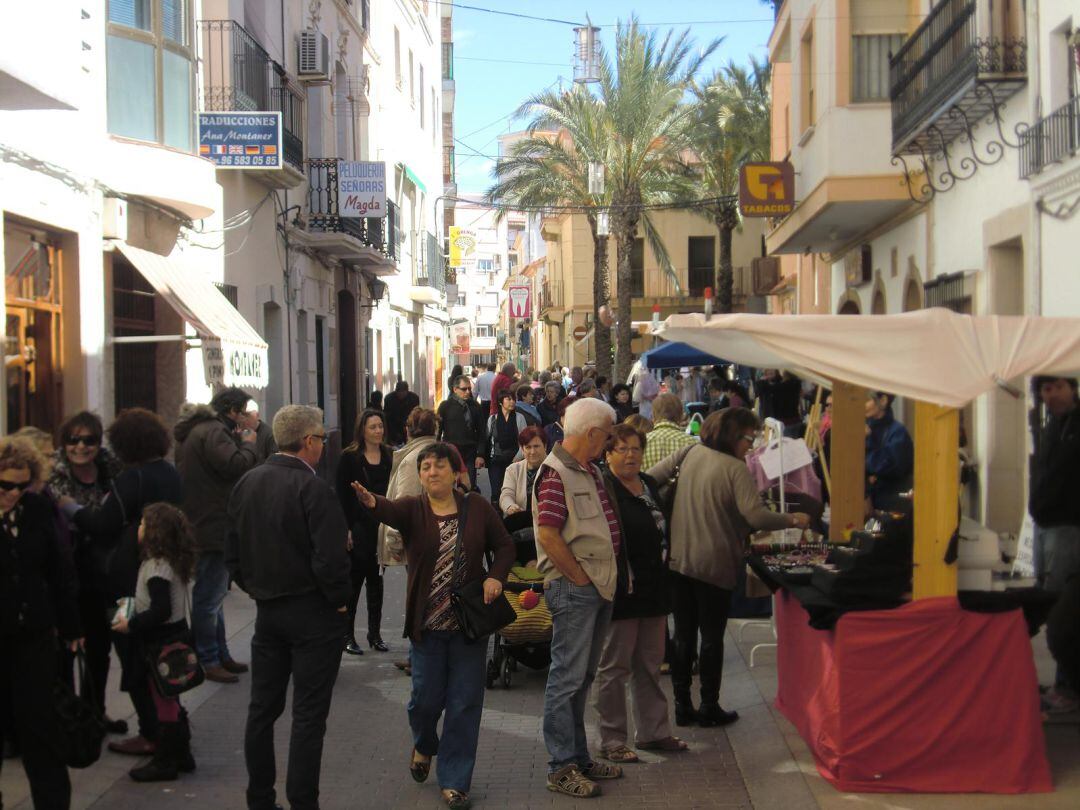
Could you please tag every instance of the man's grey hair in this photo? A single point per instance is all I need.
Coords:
(553, 385)
(585, 414)
(293, 422)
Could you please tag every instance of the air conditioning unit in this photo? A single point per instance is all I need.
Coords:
(765, 271)
(114, 218)
(313, 56)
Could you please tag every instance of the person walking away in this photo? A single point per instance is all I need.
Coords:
(646, 390)
(161, 608)
(504, 381)
(38, 607)
(447, 535)
(461, 423)
(420, 430)
(716, 506)
(502, 432)
(141, 441)
(83, 469)
(1054, 507)
(668, 434)
(286, 549)
(368, 459)
(578, 539)
(890, 454)
(398, 406)
(483, 385)
(636, 638)
(212, 452)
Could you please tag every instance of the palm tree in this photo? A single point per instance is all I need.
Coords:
(731, 128)
(549, 169)
(648, 127)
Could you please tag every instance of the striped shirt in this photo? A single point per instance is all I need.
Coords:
(552, 510)
(664, 439)
(439, 615)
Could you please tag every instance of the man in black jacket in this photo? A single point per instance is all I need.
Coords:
(286, 549)
(1055, 508)
(462, 424)
(397, 408)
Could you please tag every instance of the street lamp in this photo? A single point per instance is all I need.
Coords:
(586, 53)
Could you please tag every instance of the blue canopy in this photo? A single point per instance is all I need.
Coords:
(677, 355)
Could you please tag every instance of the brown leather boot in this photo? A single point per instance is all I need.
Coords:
(137, 746)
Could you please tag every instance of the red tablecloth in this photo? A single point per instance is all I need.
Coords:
(926, 698)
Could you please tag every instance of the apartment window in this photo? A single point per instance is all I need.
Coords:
(461, 299)
(434, 117)
(701, 252)
(149, 69)
(485, 265)
(637, 269)
(484, 330)
(420, 94)
(807, 66)
(870, 65)
(397, 58)
(412, 86)
(365, 14)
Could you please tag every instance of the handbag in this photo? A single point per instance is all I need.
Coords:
(80, 726)
(476, 619)
(172, 660)
(667, 493)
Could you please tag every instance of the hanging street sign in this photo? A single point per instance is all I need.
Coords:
(241, 140)
(766, 189)
(520, 300)
(362, 189)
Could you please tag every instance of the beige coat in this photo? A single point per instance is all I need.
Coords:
(716, 506)
(404, 480)
(514, 492)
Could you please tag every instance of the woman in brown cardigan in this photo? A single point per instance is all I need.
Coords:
(448, 673)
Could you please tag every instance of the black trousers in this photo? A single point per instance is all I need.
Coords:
(133, 680)
(365, 569)
(94, 613)
(468, 455)
(698, 607)
(297, 637)
(27, 674)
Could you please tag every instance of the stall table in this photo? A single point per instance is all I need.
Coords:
(926, 698)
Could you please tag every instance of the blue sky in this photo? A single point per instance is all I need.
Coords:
(488, 49)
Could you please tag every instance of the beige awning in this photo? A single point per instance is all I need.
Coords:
(233, 352)
(933, 354)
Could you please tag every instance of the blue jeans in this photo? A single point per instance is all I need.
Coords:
(448, 679)
(580, 618)
(207, 615)
(1057, 557)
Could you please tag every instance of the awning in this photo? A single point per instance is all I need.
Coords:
(233, 352)
(933, 354)
(409, 173)
(677, 355)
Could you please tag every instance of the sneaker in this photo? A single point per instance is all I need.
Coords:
(1054, 702)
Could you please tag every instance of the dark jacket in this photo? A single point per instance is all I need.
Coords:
(461, 422)
(91, 561)
(890, 457)
(1055, 473)
(397, 407)
(115, 524)
(484, 532)
(643, 548)
(211, 459)
(623, 410)
(549, 411)
(352, 467)
(38, 585)
(265, 446)
(287, 534)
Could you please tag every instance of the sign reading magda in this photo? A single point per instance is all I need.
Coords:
(766, 189)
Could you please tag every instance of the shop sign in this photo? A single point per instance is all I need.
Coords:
(234, 364)
(241, 140)
(520, 303)
(362, 188)
(766, 189)
(460, 337)
(463, 243)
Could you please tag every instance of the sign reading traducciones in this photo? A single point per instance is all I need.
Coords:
(240, 140)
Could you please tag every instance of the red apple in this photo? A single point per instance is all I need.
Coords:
(529, 600)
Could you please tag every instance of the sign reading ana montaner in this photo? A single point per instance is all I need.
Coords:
(241, 140)
(361, 189)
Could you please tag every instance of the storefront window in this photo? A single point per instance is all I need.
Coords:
(150, 71)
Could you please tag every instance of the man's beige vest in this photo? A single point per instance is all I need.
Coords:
(586, 532)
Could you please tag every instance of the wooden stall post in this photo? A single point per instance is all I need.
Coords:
(937, 494)
(847, 459)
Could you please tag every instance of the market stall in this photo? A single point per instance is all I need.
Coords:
(925, 696)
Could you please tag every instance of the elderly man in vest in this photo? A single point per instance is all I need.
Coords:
(578, 540)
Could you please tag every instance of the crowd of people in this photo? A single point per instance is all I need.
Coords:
(107, 547)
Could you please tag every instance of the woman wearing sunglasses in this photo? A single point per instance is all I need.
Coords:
(83, 470)
(37, 605)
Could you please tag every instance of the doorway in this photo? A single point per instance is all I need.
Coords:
(347, 379)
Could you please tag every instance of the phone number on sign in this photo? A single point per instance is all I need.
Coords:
(245, 160)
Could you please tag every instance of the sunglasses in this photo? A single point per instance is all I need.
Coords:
(86, 441)
(8, 486)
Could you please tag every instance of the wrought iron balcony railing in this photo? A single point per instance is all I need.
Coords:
(1051, 139)
(239, 75)
(448, 60)
(551, 295)
(432, 272)
(957, 67)
(323, 211)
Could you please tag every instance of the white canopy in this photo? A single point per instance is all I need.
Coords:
(933, 354)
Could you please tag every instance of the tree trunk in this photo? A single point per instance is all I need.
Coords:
(624, 359)
(601, 296)
(725, 278)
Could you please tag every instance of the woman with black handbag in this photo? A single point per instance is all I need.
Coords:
(160, 618)
(503, 428)
(38, 588)
(446, 535)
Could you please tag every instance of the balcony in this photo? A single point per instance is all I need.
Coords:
(430, 284)
(239, 75)
(367, 241)
(448, 86)
(957, 68)
(552, 303)
(1052, 139)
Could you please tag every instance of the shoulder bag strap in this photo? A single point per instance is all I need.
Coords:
(673, 484)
